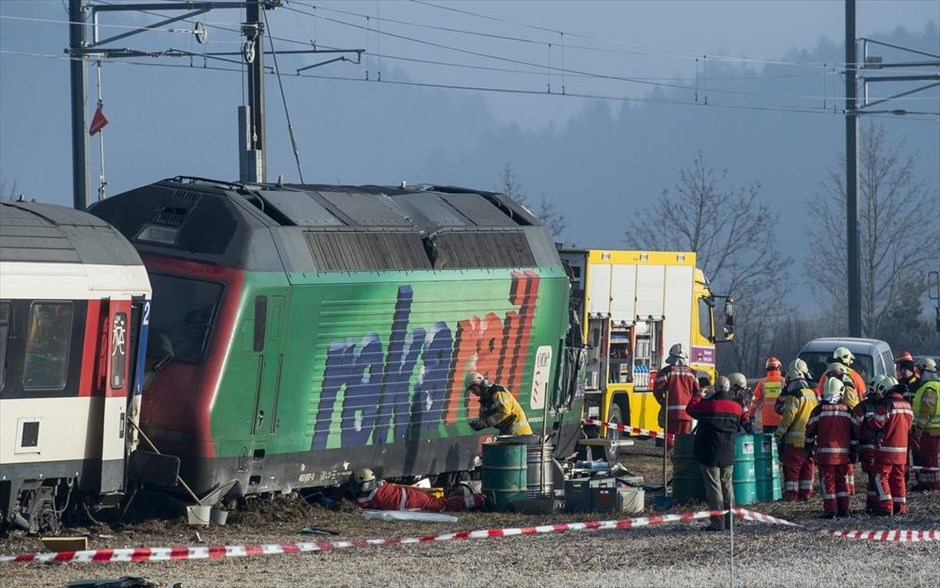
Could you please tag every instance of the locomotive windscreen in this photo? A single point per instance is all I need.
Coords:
(181, 317)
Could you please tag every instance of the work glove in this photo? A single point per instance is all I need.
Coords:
(477, 425)
(780, 445)
(809, 449)
(853, 454)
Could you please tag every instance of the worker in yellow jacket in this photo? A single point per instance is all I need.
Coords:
(799, 400)
(498, 407)
(926, 408)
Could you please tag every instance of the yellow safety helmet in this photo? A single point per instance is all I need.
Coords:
(843, 355)
(473, 379)
(833, 390)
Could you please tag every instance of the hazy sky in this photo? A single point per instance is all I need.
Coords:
(518, 51)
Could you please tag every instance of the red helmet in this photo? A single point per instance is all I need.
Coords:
(773, 364)
(903, 356)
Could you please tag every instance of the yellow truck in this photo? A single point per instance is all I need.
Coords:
(634, 305)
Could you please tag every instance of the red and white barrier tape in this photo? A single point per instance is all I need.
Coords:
(218, 551)
(894, 536)
(626, 429)
(141, 554)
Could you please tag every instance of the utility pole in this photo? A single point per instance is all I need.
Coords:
(851, 174)
(78, 74)
(252, 160)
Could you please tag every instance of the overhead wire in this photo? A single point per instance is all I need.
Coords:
(543, 67)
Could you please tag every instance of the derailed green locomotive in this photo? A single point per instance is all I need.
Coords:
(301, 331)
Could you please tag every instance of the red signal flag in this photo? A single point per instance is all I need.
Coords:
(98, 122)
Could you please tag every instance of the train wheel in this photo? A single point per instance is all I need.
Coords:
(40, 511)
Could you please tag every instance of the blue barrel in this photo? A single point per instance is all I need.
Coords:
(767, 468)
(504, 473)
(687, 484)
(745, 476)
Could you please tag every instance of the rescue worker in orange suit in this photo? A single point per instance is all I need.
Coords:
(675, 386)
(799, 400)
(926, 409)
(498, 407)
(851, 398)
(843, 356)
(766, 393)
(370, 492)
(891, 423)
(831, 436)
(720, 418)
(866, 438)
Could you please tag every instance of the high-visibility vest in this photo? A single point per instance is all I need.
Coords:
(927, 393)
(770, 389)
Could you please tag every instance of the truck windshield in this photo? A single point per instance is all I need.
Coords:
(181, 318)
(817, 362)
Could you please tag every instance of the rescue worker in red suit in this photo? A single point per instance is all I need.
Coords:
(891, 424)
(830, 435)
(851, 398)
(373, 493)
(766, 392)
(799, 400)
(720, 419)
(866, 438)
(843, 356)
(675, 386)
(926, 409)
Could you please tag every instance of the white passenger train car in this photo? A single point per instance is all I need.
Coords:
(74, 304)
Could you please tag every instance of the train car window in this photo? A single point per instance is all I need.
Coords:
(261, 321)
(181, 318)
(47, 345)
(118, 350)
(5, 313)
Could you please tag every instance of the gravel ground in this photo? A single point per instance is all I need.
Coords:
(676, 554)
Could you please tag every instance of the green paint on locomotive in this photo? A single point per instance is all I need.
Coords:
(350, 360)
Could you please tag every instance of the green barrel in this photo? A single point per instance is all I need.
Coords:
(744, 477)
(687, 484)
(504, 473)
(767, 467)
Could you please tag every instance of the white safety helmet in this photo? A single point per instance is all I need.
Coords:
(833, 390)
(364, 479)
(883, 386)
(473, 379)
(835, 369)
(800, 366)
(843, 355)
(927, 364)
(794, 374)
(738, 381)
(679, 351)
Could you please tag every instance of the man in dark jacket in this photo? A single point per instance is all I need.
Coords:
(720, 418)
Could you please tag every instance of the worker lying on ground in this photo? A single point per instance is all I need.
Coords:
(370, 492)
(498, 407)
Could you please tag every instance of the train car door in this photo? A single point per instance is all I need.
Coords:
(116, 351)
(268, 348)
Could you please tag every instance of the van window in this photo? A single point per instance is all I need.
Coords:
(818, 360)
(889, 363)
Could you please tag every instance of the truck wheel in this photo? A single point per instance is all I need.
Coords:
(612, 453)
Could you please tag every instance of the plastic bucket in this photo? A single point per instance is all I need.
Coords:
(504, 473)
(745, 476)
(687, 484)
(767, 468)
(199, 515)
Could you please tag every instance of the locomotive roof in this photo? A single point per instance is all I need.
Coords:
(310, 228)
(47, 233)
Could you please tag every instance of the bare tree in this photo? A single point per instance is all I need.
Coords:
(897, 234)
(546, 211)
(733, 234)
(9, 195)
